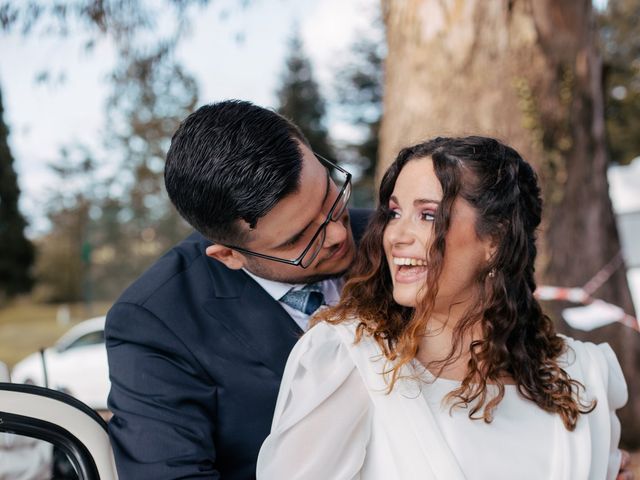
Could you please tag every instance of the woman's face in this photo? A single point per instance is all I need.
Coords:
(407, 236)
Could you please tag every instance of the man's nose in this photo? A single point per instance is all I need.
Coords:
(337, 231)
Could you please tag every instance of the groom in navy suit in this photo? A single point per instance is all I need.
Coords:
(197, 345)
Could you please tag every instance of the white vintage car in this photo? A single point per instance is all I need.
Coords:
(76, 364)
(46, 433)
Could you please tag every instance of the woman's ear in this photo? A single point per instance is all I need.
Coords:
(229, 257)
(491, 248)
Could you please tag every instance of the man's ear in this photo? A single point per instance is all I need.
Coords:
(229, 257)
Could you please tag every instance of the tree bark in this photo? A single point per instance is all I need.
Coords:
(527, 72)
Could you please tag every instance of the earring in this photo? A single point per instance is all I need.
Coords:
(492, 273)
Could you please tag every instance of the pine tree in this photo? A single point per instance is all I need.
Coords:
(152, 94)
(359, 87)
(63, 267)
(300, 99)
(16, 251)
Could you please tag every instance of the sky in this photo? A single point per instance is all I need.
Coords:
(43, 117)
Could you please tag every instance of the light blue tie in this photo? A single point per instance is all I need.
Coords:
(307, 299)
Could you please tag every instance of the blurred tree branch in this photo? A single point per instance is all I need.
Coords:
(620, 41)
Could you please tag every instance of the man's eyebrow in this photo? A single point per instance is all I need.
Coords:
(295, 237)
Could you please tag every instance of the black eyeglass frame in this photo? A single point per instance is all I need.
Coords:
(298, 260)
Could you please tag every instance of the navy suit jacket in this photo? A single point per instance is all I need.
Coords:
(196, 355)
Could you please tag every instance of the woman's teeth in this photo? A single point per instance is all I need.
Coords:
(409, 261)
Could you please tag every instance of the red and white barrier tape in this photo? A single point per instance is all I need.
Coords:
(581, 296)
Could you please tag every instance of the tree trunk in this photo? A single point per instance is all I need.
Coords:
(527, 72)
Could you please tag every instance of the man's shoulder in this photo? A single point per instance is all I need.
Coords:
(184, 266)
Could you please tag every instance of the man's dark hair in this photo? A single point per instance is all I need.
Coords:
(231, 161)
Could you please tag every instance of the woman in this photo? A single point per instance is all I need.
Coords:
(438, 362)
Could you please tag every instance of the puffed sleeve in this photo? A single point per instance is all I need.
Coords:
(322, 421)
(616, 398)
(597, 435)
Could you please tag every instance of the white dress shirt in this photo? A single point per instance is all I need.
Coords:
(331, 289)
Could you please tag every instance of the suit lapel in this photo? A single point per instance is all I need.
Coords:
(253, 317)
(246, 310)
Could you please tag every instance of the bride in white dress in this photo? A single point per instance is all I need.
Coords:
(438, 362)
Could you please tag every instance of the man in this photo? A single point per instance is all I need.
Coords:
(198, 344)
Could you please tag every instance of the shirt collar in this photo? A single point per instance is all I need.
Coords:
(273, 287)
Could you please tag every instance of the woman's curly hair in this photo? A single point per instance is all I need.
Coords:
(518, 339)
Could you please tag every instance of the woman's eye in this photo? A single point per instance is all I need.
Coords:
(393, 214)
(428, 216)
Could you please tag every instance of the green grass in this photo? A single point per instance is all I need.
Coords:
(26, 327)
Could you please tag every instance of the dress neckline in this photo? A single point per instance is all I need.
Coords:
(429, 377)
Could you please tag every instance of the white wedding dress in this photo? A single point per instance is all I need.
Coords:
(334, 421)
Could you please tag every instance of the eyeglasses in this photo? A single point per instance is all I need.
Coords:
(311, 251)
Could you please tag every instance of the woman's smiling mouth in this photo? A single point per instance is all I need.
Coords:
(409, 269)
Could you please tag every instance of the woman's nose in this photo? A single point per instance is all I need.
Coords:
(401, 232)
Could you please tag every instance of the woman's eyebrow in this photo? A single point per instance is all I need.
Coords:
(422, 201)
(417, 202)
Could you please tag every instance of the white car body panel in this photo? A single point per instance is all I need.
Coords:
(49, 406)
(81, 371)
